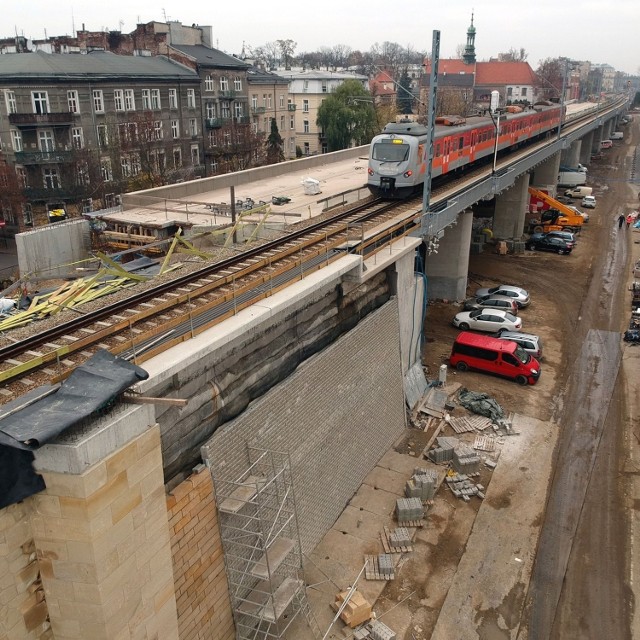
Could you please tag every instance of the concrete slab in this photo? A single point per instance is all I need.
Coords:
(375, 501)
(364, 525)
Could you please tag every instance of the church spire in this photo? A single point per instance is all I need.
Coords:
(469, 55)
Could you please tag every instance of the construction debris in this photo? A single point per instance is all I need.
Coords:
(472, 423)
(375, 630)
(484, 443)
(463, 487)
(357, 610)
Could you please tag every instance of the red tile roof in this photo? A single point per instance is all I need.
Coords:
(501, 73)
(451, 65)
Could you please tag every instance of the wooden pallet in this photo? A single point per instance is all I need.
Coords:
(372, 570)
(418, 524)
(385, 536)
(485, 443)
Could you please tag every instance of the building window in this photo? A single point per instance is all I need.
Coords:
(10, 99)
(282, 100)
(27, 215)
(73, 102)
(281, 123)
(129, 100)
(193, 127)
(254, 126)
(155, 99)
(254, 101)
(325, 89)
(224, 84)
(226, 112)
(208, 83)
(118, 99)
(307, 150)
(237, 83)
(195, 155)
(16, 140)
(210, 110)
(21, 173)
(175, 129)
(103, 135)
(191, 98)
(125, 167)
(77, 137)
(268, 102)
(292, 122)
(98, 101)
(40, 101)
(237, 109)
(264, 100)
(173, 99)
(146, 99)
(305, 86)
(305, 106)
(157, 129)
(105, 170)
(306, 126)
(135, 164)
(524, 91)
(50, 178)
(509, 91)
(82, 175)
(292, 145)
(177, 158)
(46, 140)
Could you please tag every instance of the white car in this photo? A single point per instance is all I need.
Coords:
(521, 296)
(589, 202)
(493, 320)
(584, 214)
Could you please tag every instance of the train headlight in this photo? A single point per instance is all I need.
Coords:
(370, 170)
(408, 174)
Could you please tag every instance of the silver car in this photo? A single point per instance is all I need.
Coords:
(528, 341)
(521, 296)
(493, 320)
(492, 302)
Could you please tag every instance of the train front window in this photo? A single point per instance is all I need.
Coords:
(385, 152)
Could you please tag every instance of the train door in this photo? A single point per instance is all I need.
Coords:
(472, 145)
(446, 151)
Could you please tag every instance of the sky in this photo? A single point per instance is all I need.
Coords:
(596, 30)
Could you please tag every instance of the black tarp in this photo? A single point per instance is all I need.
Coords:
(92, 387)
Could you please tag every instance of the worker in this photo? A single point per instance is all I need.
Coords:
(620, 221)
(629, 220)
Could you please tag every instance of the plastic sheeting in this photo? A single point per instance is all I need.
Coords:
(26, 425)
(481, 403)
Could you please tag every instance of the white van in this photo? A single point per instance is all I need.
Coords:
(578, 192)
(617, 135)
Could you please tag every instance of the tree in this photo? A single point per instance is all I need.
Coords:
(274, 144)
(11, 194)
(404, 97)
(347, 116)
(550, 73)
(460, 49)
(269, 54)
(514, 55)
(287, 47)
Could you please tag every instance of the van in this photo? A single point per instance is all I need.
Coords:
(528, 341)
(578, 192)
(606, 144)
(501, 357)
(617, 135)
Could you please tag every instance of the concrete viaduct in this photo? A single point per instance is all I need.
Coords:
(304, 391)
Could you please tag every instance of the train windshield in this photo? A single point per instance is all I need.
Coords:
(385, 152)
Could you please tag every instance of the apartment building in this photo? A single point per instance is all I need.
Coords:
(307, 90)
(81, 128)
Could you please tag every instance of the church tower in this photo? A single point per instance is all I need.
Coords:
(469, 55)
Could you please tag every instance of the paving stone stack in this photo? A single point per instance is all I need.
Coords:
(463, 487)
(466, 460)
(400, 537)
(380, 631)
(385, 565)
(444, 451)
(409, 509)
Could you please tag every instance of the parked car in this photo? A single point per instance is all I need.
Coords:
(606, 144)
(589, 202)
(492, 320)
(528, 341)
(502, 357)
(578, 192)
(617, 135)
(492, 302)
(521, 296)
(567, 236)
(546, 242)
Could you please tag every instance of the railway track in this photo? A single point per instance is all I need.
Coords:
(147, 323)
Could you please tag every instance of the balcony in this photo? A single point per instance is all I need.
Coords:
(215, 123)
(43, 157)
(291, 107)
(50, 195)
(64, 119)
(242, 119)
(258, 109)
(229, 94)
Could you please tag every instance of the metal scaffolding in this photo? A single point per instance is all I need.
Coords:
(261, 543)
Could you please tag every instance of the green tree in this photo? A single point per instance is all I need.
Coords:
(274, 144)
(347, 116)
(404, 99)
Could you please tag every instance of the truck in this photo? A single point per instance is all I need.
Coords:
(571, 178)
(552, 215)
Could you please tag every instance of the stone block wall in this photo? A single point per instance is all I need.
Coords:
(202, 596)
(23, 609)
(103, 547)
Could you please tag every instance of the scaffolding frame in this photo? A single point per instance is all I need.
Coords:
(262, 548)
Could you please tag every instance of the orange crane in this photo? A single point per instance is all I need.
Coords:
(558, 217)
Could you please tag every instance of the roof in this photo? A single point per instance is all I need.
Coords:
(495, 72)
(319, 74)
(101, 64)
(451, 65)
(256, 75)
(208, 57)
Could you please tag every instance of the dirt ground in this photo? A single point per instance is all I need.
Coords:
(577, 584)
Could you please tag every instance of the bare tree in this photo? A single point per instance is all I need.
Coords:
(341, 53)
(287, 47)
(460, 51)
(269, 53)
(514, 55)
(549, 74)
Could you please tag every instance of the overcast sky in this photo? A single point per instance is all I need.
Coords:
(596, 30)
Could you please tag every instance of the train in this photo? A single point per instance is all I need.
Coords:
(398, 156)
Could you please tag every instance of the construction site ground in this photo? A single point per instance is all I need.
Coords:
(550, 552)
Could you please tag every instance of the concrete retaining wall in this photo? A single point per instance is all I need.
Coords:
(194, 187)
(48, 251)
(336, 416)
